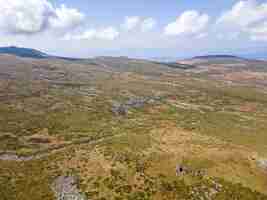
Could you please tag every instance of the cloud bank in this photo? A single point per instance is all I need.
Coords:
(138, 23)
(33, 16)
(189, 22)
(108, 33)
(247, 17)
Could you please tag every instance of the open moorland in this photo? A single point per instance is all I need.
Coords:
(119, 128)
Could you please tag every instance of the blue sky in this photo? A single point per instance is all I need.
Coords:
(156, 8)
(140, 28)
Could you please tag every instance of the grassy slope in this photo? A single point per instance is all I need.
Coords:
(198, 123)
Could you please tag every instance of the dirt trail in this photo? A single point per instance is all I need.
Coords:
(12, 156)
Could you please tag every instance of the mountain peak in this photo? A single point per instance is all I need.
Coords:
(22, 52)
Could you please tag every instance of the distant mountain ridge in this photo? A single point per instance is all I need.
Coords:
(23, 52)
(30, 53)
(218, 56)
(33, 53)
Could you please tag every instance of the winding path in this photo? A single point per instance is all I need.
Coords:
(12, 156)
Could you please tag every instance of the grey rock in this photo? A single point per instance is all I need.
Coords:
(122, 108)
(262, 163)
(119, 109)
(65, 188)
(181, 170)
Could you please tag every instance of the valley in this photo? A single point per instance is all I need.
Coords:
(122, 128)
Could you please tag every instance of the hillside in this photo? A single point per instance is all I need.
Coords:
(30, 53)
(23, 52)
(121, 128)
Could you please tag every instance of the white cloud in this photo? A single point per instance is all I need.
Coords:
(131, 22)
(244, 13)
(228, 35)
(138, 23)
(148, 24)
(201, 35)
(189, 22)
(259, 29)
(66, 18)
(32, 16)
(108, 33)
(258, 32)
(87, 35)
(27, 16)
(249, 17)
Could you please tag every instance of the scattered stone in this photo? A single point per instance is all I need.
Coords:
(9, 157)
(119, 109)
(263, 163)
(181, 170)
(122, 109)
(217, 186)
(58, 106)
(65, 188)
(137, 103)
(200, 172)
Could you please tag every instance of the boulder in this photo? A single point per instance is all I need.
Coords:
(119, 109)
(181, 170)
(66, 187)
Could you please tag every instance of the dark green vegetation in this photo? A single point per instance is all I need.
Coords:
(30, 53)
(124, 127)
(22, 52)
(178, 65)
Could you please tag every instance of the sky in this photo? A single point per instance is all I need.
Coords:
(139, 28)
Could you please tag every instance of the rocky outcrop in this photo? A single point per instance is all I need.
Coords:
(122, 108)
(263, 163)
(66, 188)
(182, 170)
